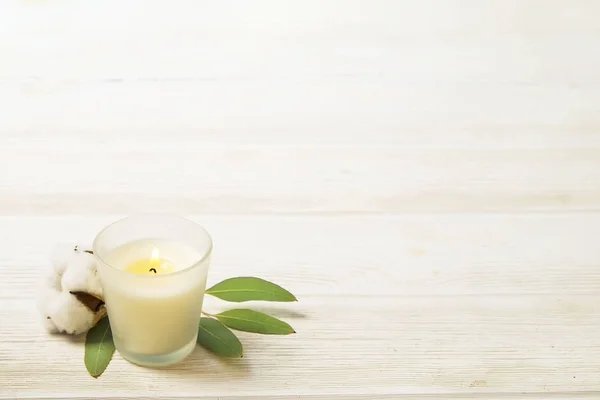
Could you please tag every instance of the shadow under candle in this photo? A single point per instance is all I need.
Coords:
(204, 363)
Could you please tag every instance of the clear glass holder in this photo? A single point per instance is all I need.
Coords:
(154, 317)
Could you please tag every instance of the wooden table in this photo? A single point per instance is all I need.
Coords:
(423, 175)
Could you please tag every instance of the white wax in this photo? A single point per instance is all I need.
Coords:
(154, 314)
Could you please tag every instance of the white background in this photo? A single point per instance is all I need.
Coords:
(423, 175)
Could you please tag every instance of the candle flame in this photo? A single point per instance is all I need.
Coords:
(155, 255)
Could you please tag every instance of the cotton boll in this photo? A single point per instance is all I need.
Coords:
(47, 289)
(46, 298)
(52, 280)
(61, 254)
(68, 315)
(73, 270)
(49, 325)
(80, 275)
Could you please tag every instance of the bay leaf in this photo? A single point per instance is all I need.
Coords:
(248, 288)
(99, 348)
(254, 321)
(214, 336)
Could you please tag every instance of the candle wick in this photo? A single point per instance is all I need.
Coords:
(153, 270)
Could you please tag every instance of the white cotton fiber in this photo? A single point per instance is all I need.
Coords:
(72, 270)
(61, 254)
(80, 275)
(68, 315)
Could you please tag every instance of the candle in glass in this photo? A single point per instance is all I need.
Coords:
(153, 271)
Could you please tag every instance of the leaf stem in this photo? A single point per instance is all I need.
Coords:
(208, 314)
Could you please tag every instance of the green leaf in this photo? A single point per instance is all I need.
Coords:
(254, 321)
(247, 288)
(214, 336)
(99, 348)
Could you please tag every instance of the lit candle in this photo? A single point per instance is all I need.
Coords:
(153, 285)
(151, 265)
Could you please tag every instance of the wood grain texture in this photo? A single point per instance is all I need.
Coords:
(312, 180)
(402, 255)
(431, 73)
(363, 110)
(423, 175)
(348, 345)
(460, 40)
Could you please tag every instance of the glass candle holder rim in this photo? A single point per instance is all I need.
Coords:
(200, 261)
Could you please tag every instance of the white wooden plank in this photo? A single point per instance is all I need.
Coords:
(412, 345)
(486, 396)
(411, 255)
(536, 41)
(436, 73)
(364, 120)
(319, 111)
(198, 179)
